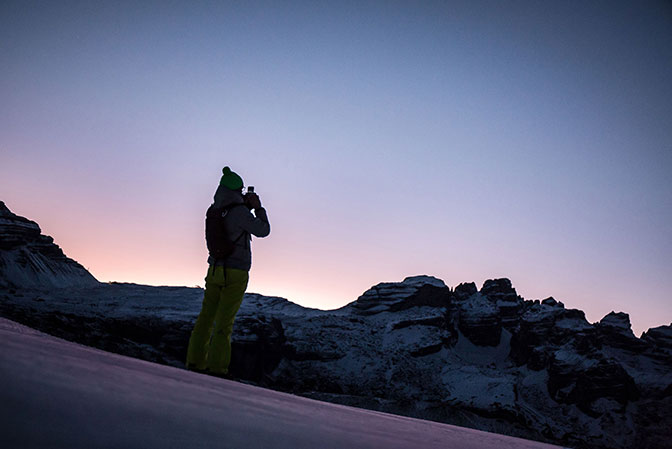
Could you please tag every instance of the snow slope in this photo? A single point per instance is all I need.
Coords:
(56, 393)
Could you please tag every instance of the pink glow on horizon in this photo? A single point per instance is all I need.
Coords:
(132, 254)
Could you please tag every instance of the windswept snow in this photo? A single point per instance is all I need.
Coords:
(59, 394)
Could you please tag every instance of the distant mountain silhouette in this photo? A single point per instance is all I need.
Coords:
(30, 259)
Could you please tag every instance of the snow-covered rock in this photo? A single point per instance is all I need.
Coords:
(29, 259)
(480, 320)
(660, 337)
(502, 293)
(388, 296)
(620, 321)
(614, 330)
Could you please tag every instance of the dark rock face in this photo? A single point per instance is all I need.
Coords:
(550, 301)
(486, 359)
(499, 289)
(581, 381)
(29, 259)
(614, 330)
(660, 337)
(500, 292)
(535, 329)
(388, 296)
(465, 290)
(480, 321)
(542, 328)
(570, 349)
(426, 295)
(258, 348)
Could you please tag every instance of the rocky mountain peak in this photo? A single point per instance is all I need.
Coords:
(551, 301)
(619, 320)
(504, 296)
(661, 338)
(465, 290)
(421, 280)
(15, 230)
(615, 330)
(393, 296)
(29, 259)
(499, 289)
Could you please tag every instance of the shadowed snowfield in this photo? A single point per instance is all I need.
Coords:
(60, 394)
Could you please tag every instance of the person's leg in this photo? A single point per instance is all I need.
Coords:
(200, 336)
(231, 297)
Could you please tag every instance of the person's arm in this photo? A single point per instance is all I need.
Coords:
(256, 224)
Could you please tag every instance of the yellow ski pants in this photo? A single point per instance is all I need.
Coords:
(210, 342)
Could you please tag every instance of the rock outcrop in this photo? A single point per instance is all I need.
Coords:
(504, 296)
(660, 337)
(29, 259)
(480, 320)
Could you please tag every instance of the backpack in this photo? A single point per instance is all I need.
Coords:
(220, 245)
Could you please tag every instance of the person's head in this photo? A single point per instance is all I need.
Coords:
(231, 180)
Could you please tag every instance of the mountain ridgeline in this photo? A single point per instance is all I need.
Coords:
(483, 358)
(29, 259)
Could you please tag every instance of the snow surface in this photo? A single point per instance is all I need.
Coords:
(60, 394)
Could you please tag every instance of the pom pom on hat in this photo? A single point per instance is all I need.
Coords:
(230, 179)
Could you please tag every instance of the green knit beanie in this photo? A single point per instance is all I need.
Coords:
(231, 180)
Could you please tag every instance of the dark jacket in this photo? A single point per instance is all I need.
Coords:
(241, 224)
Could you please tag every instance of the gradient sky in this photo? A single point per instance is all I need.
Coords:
(465, 140)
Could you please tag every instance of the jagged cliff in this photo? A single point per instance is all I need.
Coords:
(486, 358)
(30, 259)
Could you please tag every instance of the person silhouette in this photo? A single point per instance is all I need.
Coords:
(209, 349)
